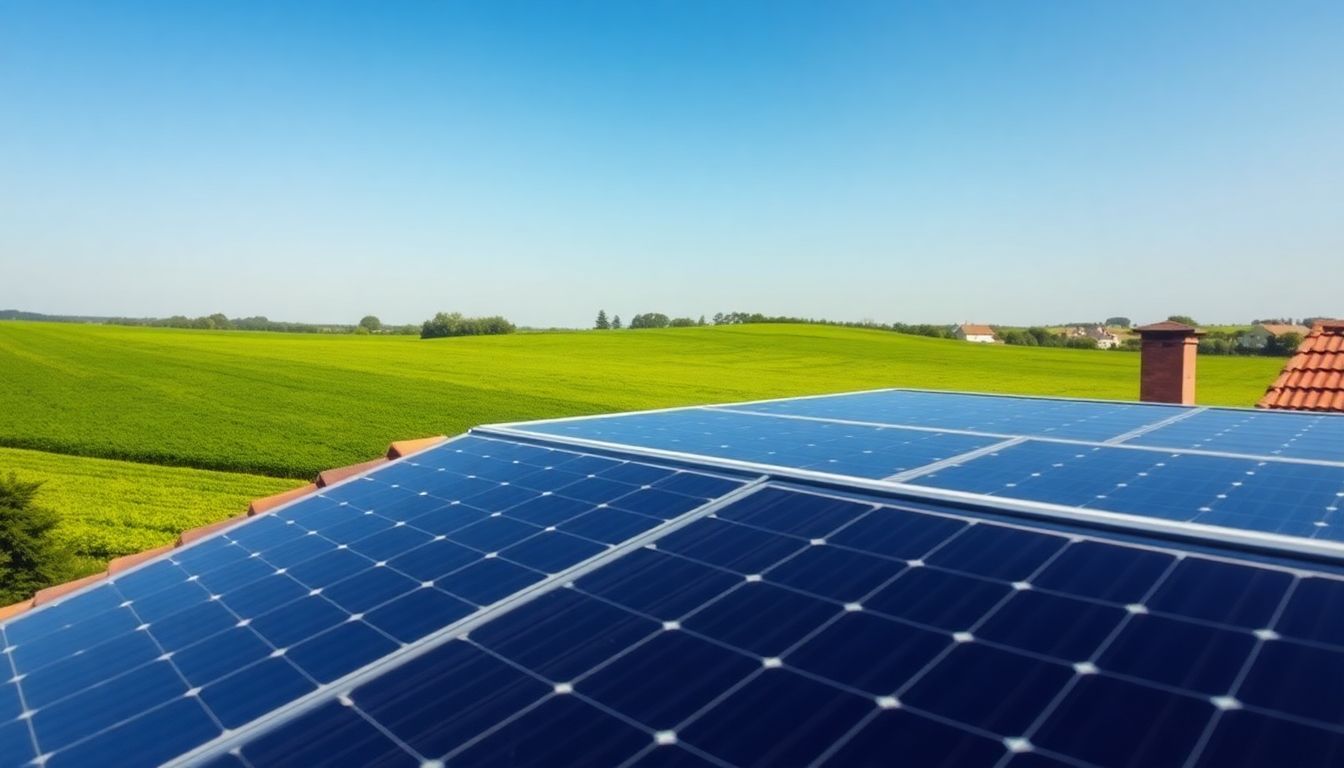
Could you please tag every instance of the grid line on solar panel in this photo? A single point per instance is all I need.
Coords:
(231, 619)
(761, 440)
(1190, 488)
(999, 414)
(814, 661)
(1316, 436)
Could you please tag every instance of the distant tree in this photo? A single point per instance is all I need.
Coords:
(371, 323)
(218, 321)
(361, 331)
(29, 558)
(454, 324)
(615, 322)
(681, 322)
(1123, 322)
(1283, 345)
(1081, 342)
(650, 320)
(718, 318)
(602, 324)
(1186, 319)
(701, 321)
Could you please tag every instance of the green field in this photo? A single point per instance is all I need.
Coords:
(287, 406)
(111, 508)
(292, 405)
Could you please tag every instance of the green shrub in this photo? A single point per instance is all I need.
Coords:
(30, 558)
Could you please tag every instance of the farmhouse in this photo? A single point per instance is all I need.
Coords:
(1259, 336)
(1098, 333)
(979, 334)
(1313, 378)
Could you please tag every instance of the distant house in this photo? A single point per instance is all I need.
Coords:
(1098, 333)
(979, 334)
(1260, 334)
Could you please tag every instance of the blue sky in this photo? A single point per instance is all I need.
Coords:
(997, 162)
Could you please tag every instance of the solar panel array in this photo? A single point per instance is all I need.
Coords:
(784, 583)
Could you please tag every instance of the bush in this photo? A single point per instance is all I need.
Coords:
(29, 558)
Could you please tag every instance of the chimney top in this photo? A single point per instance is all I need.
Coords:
(1169, 327)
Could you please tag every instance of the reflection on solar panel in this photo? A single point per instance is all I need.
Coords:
(629, 590)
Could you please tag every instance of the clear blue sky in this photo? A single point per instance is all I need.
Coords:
(1011, 162)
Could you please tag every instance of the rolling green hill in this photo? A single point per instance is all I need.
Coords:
(290, 405)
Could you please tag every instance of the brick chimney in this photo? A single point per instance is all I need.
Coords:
(1167, 369)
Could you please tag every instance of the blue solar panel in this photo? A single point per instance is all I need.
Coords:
(1261, 433)
(1237, 493)
(603, 607)
(1036, 417)
(856, 450)
(981, 643)
(220, 633)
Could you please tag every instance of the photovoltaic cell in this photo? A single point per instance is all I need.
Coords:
(992, 641)
(218, 634)
(856, 450)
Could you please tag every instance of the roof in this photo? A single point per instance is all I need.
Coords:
(971, 329)
(1313, 378)
(1167, 326)
(1278, 329)
(838, 569)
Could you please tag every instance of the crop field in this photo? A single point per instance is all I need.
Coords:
(153, 408)
(291, 405)
(112, 508)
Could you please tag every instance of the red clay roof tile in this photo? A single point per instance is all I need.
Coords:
(10, 611)
(119, 564)
(266, 504)
(190, 535)
(1313, 379)
(403, 448)
(336, 475)
(52, 593)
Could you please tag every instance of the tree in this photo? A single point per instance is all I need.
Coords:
(602, 324)
(615, 322)
(650, 320)
(29, 558)
(371, 323)
(454, 324)
(1123, 322)
(1284, 345)
(1186, 319)
(701, 321)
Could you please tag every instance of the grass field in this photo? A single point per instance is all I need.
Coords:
(292, 405)
(112, 508)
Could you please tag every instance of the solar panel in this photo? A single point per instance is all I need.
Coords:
(217, 634)
(1277, 433)
(1035, 417)
(929, 578)
(761, 440)
(778, 631)
(1225, 470)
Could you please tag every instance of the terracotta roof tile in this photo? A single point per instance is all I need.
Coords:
(119, 564)
(336, 475)
(1313, 379)
(266, 504)
(10, 611)
(51, 593)
(972, 329)
(403, 448)
(188, 536)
